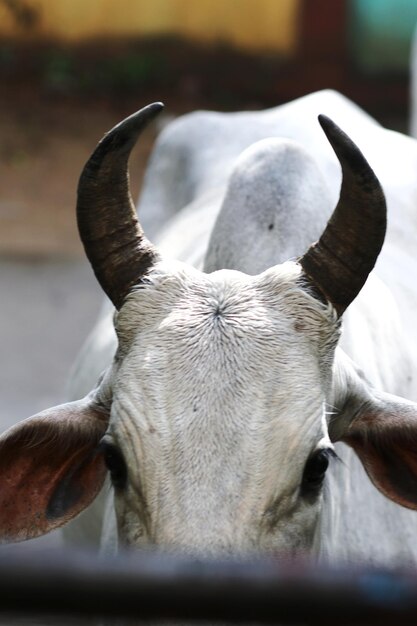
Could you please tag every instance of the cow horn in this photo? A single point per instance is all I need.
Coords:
(113, 239)
(339, 263)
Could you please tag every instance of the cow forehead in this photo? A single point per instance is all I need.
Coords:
(218, 340)
(214, 376)
(225, 324)
(180, 296)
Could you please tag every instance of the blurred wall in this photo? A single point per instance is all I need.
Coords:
(381, 33)
(250, 24)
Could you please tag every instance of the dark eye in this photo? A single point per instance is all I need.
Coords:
(115, 463)
(314, 472)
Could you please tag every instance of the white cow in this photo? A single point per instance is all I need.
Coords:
(231, 417)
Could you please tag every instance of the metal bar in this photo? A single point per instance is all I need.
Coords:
(151, 586)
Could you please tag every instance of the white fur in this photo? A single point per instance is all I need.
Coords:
(213, 424)
(223, 383)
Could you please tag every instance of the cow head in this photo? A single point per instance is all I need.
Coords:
(212, 417)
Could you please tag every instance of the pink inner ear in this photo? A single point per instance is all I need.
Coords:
(390, 459)
(50, 470)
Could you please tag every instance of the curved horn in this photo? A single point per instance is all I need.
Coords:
(113, 239)
(339, 263)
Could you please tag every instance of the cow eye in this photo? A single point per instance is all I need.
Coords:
(115, 464)
(315, 471)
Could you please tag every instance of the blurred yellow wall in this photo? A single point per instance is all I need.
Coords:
(251, 24)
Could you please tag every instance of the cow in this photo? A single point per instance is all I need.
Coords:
(232, 412)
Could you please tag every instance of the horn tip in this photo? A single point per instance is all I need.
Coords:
(123, 136)
(327, 124)
(141, 117)
(155, 107)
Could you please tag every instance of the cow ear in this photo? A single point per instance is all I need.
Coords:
(50, 469)
(382, 430)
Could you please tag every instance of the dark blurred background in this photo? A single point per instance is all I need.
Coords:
(71, 69)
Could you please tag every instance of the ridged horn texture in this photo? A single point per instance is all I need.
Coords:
(113, 239)
(339, 263)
